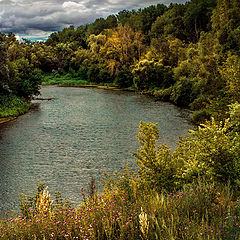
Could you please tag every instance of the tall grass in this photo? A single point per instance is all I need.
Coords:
(198, 211)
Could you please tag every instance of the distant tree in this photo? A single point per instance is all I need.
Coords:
(123, 17)
(230, 73)
(226, 23)
(170, 23)
(43, 57)
(97, 27)
(4, 72)
(197, 17)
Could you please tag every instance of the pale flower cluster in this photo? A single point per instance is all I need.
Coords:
(144, 223)
(44, 204)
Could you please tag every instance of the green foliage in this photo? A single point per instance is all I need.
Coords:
(170, 23)
(197, 17)
(25, 79)
(65, 79)
(150, 74)
(226, 23)
(230, 72)
(157, 167)
(234, 112)
(184, 92)
(12, 105)
(200, 116)
(210, 152)
(98, 75)
(124, 79)
(4, 72)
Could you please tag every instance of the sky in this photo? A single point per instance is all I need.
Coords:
(37, 19)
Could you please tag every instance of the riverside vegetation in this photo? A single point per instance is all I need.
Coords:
(191, 193)
(184, 53)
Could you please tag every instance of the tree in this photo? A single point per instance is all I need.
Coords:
(25, 79)
(230, 72)
(170, 23)
(149, 74)
(226, 23)
(121, 48)
(64, 53)
(43, 57)
(96, 41)
(4, 72)
(197, 17)
(157, 168)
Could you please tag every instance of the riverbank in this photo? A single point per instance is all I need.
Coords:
(104, 87)
(3, 120)
(11, 107)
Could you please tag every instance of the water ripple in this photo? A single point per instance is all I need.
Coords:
(80, 134)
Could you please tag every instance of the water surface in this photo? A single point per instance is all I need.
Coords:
(84, 132)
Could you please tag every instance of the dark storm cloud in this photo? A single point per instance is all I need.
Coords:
(36, 17)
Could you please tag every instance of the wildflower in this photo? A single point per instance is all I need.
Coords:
(44, 204)
(144, 224)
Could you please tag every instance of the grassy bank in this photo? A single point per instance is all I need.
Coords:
(68, 80)
(198, 211)
(12, 106)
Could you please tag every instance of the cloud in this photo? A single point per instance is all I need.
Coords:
(26, 17)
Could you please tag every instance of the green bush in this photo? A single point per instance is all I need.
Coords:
(157, 167)
(124, 79)
(184, 92)
(12, 105)
(211, 152)
(200, 116)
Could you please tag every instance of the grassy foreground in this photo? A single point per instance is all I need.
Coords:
(198, 211)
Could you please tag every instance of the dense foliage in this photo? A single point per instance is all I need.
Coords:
(184, 53)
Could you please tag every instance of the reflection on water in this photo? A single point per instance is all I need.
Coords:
(82, 133)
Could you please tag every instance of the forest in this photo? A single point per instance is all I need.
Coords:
(187, 54)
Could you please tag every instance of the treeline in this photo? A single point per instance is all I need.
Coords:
(184, 53)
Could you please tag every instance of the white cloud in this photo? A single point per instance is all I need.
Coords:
(44, 16)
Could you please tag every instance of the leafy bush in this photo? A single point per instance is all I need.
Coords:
(12, 105)
(157, 167)
(210, 152)
(200, 116)
(184, 92)
(124, 79)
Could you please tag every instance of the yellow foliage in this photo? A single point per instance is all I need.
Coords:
(44, 203)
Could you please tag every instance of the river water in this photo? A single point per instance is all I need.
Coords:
(82, 133)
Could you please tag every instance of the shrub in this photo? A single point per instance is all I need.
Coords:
(210, 152)
(157, 167)
(124, 79)
(184, 92)
(200, 116)
(12, 105)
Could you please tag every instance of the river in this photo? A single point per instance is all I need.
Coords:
(82, 133)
